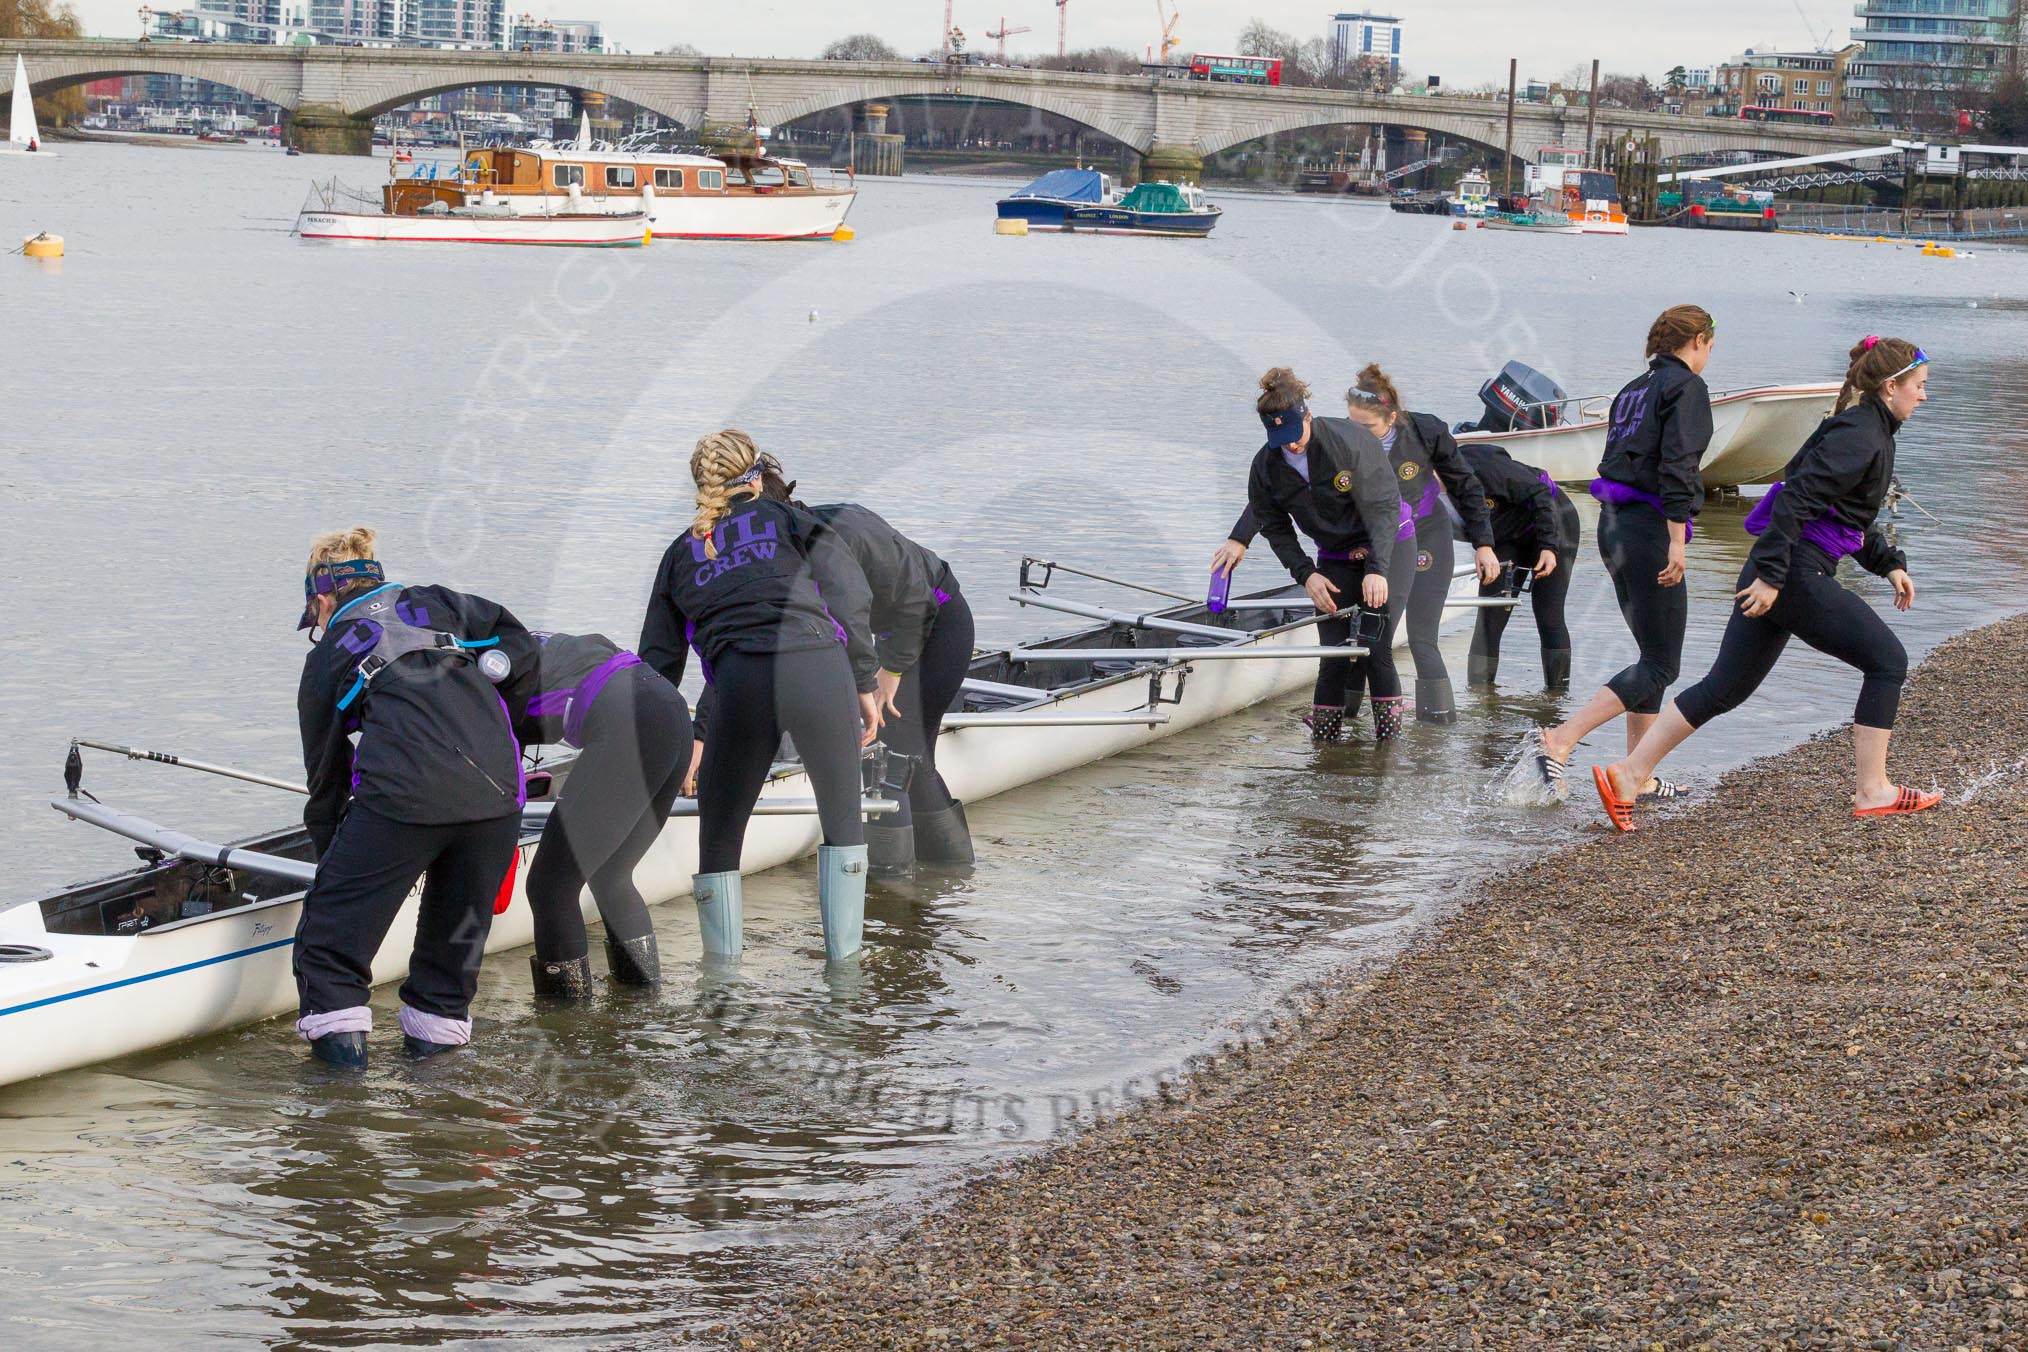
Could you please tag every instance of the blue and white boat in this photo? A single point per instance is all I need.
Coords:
(1078, 200)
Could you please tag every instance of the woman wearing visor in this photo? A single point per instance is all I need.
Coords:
(1330, 479)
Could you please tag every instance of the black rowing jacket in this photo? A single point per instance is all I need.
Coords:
(1661, 426)
(908, 583)
(435, 745)
(1348, 504)
(1843, 472)
(1424, 455)
(1522, 502)
(782, 581)
(548, 668)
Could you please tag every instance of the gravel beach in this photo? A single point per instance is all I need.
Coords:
(1752, 1077)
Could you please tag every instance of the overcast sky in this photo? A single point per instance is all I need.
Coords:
(1465, 41)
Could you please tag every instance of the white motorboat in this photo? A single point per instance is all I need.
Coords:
(199, 938)
(475, 225)
(1754, 432)
(23, 137)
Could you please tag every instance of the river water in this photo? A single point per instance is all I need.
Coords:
(194, 393)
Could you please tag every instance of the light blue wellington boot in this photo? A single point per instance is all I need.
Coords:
(721, 913)
(841, 898)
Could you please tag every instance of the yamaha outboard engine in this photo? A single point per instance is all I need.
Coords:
(1520, 398)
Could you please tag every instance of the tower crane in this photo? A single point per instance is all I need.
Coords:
(1062, 27)
(1005, 33)
(1168, 14)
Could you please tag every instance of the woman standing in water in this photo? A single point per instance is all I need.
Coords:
(1329, 478)
(631, 730)
(755, 585)
(1649, 490)
(1427, 465)
(431, 792)
(1825, 508)
(1535, 527)
(922, 633)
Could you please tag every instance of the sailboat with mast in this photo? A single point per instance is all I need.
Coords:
(22, 136)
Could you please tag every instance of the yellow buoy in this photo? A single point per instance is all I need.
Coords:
(845, 234)
(1011, 225)
(44, 245)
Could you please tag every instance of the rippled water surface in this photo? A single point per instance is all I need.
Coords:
(194, 393)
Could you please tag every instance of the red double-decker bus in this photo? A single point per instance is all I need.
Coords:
(1262, 70)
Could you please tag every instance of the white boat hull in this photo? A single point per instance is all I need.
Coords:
(97, 998)
(782, 216)
(587, 231)
(1753, 435)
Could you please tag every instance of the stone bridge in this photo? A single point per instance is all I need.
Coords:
(333, 93)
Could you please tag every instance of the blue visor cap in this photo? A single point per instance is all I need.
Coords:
(1284, 426)
(326, 578)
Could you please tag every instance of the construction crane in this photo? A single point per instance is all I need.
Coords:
(1005, 33)
(1168, 14)
(1062, 27)
(1824, 42)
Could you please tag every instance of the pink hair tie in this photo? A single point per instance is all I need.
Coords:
(1872, 341)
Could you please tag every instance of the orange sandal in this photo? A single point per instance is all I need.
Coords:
(1906, 802)
(1620, 810)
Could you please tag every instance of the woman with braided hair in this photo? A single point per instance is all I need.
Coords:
(778, 614)
(1825, 507)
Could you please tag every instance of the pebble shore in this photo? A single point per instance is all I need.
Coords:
(1753, 1077)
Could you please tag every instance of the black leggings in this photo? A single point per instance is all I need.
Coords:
(1814, 608)
(1342, 681)
(363, 879)
(1434, 555)
(1634, 541)
(614, 803)
(928, 690)
(1546, 595)
(756, 697)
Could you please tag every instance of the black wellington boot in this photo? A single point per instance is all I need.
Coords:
(890, 850)
(1482, 668)
(944, 837)
(1556, 668)
(634, 962)
(1434, 700)
(344, 1050)
(422, 1049)
(569, 979)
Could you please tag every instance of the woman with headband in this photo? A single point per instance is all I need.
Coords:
(777, 611)
(1650, 489)
(431, 792)
(1427, 466)
(1825, 508)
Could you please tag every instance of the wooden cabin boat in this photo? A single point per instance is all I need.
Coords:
(199, 938)
(751, 196)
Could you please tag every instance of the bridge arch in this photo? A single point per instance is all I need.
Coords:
(683, 106)
(270, 85)
(1134, 130)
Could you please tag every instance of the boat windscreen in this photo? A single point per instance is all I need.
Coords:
(1067, 185)
(1163, 197)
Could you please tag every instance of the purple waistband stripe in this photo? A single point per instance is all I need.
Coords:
(1617, 494)
(587, 693)
(1832, 536)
